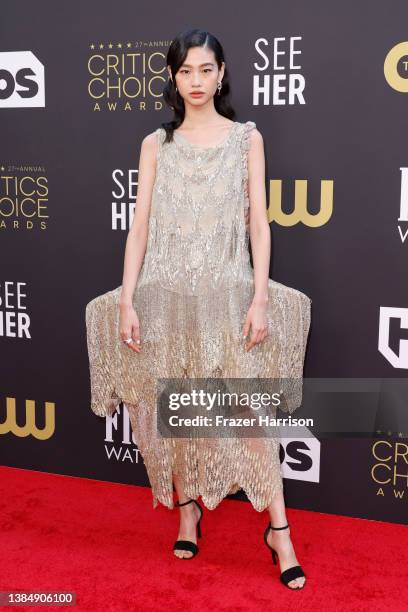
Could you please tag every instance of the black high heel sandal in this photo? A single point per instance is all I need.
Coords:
(292, 572)
(187, 544)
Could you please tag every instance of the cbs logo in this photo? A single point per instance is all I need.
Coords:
(21, 80)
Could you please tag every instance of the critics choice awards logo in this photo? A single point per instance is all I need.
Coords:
(126, 75)
(23, 197)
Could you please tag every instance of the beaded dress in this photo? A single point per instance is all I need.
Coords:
(192, 297)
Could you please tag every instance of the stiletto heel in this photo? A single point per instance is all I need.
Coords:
(292, 572)
(187, 544)
(274, 559)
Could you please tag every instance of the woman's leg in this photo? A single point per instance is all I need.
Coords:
(280, 540)
(189, 516)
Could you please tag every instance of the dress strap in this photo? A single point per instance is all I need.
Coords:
(245, 146)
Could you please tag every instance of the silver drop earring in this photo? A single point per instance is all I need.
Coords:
(219, 87)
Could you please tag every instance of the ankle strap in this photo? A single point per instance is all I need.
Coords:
(276, 528)
(184, 503)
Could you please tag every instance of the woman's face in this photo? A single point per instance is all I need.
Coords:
(198, 73)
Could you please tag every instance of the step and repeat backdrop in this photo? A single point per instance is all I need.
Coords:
(327, 86)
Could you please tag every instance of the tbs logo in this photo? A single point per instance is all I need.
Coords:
(21, 80)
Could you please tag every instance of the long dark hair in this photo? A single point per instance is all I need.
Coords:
(176, 56)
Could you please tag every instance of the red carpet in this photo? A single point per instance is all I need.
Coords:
(105, 542)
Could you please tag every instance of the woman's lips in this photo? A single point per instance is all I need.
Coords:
(197, 94)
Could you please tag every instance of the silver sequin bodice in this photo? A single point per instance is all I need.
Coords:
(197, 239)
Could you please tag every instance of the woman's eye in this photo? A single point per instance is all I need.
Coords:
(184, 71)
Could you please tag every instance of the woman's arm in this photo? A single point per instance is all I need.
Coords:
(260, 241)
(137, 236)
(258, 226)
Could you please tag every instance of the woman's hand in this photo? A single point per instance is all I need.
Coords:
(256, 320)
(129, 327)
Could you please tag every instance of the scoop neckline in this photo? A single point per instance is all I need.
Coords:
(201, 148)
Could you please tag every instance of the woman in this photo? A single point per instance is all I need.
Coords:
(189, 299)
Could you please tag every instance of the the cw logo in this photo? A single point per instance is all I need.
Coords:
(10, 424)
(300, 212)
(396, 67)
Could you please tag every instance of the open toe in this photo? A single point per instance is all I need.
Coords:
(288, 576)
(187, 545)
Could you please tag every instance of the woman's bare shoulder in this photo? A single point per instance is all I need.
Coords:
(150, 140)
(253, 136)
(149, 146)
